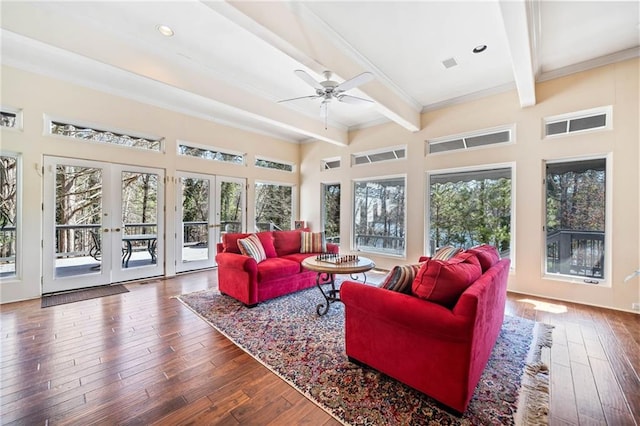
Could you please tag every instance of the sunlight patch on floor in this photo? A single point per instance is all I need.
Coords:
(546, 306)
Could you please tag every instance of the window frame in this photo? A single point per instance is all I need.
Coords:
(49, 120)
(352, 235)
(273, 160)
(18, 120)
(210, 148)
(606, 110)
(605, 281)
(472, 169)
(294, 199)
(323, 209)
(18, 265)
(376, 152)
(511, 128)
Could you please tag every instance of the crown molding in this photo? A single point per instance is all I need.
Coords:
(601, 61)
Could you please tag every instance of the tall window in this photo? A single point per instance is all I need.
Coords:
(331, 211)
(274, 209)
(470, 208)
(8, 215)
(379, 216)
(575, 219)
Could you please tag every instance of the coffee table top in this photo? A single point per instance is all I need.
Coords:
(363, 264)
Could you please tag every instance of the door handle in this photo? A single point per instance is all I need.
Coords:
(217, 225)
(116, 230)
(105, 230)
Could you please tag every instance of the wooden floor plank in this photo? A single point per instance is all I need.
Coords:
(144, 358)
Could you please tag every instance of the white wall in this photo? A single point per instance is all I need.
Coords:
(36, 96)
(616, 85)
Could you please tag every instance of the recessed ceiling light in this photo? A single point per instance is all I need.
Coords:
(480, 48)
(165, 30)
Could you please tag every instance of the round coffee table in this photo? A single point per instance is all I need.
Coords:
(327, 267)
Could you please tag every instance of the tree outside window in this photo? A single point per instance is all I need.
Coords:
(274, 209)
(379, 216)
(331, 211)
(470, 208)
(8, 215)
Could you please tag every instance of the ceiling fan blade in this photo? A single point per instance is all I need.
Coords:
(354, 100)
(324, 112)
(301, 97)
(308, 79)
(354, 82)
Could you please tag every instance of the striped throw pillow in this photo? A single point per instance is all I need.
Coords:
(446, 253)
(252, 247)
(400, 278)
(313, 242)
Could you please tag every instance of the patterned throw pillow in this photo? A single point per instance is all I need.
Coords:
(446, 253)
(400, 278)
(313, 242)
(252, 247)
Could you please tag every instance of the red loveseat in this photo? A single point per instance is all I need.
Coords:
(440, 350)
(252, 282)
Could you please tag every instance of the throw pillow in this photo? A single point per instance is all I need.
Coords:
(267, 240)
(487, 255)
(446, 252)
(230, 242)
(443, 282)
(252, 247)
(313, 242)
(400, 278)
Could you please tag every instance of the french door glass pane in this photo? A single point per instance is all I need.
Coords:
(8, 215)
(78, 219)
(195, 219)
(139, 218)
(230, 207)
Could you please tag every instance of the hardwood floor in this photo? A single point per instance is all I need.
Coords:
(143, 358)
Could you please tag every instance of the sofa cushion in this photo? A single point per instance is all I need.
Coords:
(252, 247)
(276, 268)
(313, 242)
(400, 278)
(487, 255)
(446, 252)
(230, 242)
(297, 257)
(443, 282)
(286, 242)
(266, 238)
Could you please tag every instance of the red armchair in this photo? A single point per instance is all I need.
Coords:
(438, 350)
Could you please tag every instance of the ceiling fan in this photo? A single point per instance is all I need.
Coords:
(328, 90)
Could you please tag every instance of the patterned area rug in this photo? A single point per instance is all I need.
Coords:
(307, 351)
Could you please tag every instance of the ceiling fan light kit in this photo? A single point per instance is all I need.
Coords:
(330, 89)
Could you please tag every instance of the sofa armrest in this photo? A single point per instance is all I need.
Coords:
(236, 261)
(406, 311)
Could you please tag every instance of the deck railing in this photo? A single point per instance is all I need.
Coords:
(577, 253)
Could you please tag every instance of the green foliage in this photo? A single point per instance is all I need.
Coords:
(468, 213)
(273, 206)
(331, 209)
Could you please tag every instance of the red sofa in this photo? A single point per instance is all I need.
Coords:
(252, 282)
(438, 350)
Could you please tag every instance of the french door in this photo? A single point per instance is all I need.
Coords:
(207, 207)
(103, 223)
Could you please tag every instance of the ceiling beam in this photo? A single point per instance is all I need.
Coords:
(517, 28)
(280, 25)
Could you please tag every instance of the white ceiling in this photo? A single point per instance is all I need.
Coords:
(232, 61)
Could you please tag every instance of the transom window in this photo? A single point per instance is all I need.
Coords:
(10, 118)
(272, 164)
(379, 216)
(392, 154)
(103, 136)
(212, 153)
(470, 208)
